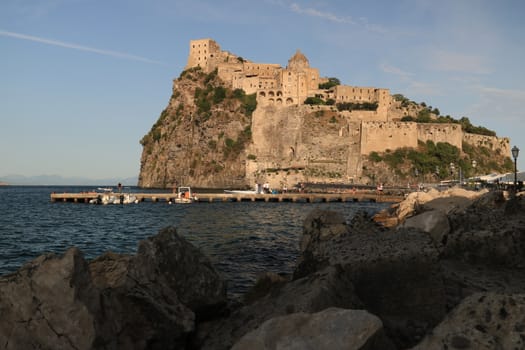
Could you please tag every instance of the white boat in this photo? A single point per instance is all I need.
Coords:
(258, 190)
(185, 195)
(241, 191)
(114, 198)
(105, 189)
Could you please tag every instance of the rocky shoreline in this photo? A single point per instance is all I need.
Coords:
(437, 271)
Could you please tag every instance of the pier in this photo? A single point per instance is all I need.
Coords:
(85, 197)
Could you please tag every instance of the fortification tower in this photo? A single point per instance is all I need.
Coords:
(298, 78)
(203, 53)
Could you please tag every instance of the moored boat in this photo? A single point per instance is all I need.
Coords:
(185, 195)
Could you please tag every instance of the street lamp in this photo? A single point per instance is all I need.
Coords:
(515, 152)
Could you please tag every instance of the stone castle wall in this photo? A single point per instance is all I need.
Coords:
(438, 132)
(377, 136)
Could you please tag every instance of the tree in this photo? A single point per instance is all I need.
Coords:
(331, 83)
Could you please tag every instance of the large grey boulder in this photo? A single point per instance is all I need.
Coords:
(49, 303)
(146, 301)
(310, 294)
(394, 273)
(332, 328)
(184, 269)
(433, 222)
(453, 200)
(483, 321)
(486, 234)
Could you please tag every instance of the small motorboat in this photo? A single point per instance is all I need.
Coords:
(185, 195)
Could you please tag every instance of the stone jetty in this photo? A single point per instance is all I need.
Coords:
(449, 275)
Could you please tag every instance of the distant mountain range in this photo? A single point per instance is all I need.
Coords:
(60, 180)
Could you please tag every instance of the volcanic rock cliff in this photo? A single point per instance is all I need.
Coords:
(199, 138)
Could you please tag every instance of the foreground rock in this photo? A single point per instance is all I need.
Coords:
(451, 200)
(311, 294)
(380, 288)
(483, 321)
(146, 301)
(331, 328)
(396, 276)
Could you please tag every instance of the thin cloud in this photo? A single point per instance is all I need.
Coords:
(385, 67)
(78, 47)
(331, 17)
(457, 62)
(323, 15)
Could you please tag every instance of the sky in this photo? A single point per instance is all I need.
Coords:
(82, 81)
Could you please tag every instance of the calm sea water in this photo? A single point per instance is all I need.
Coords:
(242, 239)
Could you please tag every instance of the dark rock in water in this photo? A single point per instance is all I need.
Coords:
(310, 294)
(483, 321)
(185, 269)
(331, 328)
(116, 301)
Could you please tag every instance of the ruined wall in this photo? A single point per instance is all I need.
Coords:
(380, 136)
(438, 132)
(498, 145)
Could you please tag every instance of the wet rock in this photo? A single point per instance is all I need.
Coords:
(331, 328)
(482, 321)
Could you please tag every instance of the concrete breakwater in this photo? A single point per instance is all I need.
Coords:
(460, 285)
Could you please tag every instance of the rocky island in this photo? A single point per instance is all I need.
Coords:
(231, 122)
(449, 275)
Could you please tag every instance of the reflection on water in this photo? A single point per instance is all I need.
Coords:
(242, 239)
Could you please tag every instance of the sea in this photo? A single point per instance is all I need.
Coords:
(242, 239)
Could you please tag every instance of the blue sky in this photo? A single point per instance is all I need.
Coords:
(81, 81)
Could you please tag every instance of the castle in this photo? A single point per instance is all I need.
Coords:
(281, 93)
(278, 86)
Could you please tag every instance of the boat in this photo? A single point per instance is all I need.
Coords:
(258, 190)
(185, 195)
(105, 189)
(241, 192)
(114, 198)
